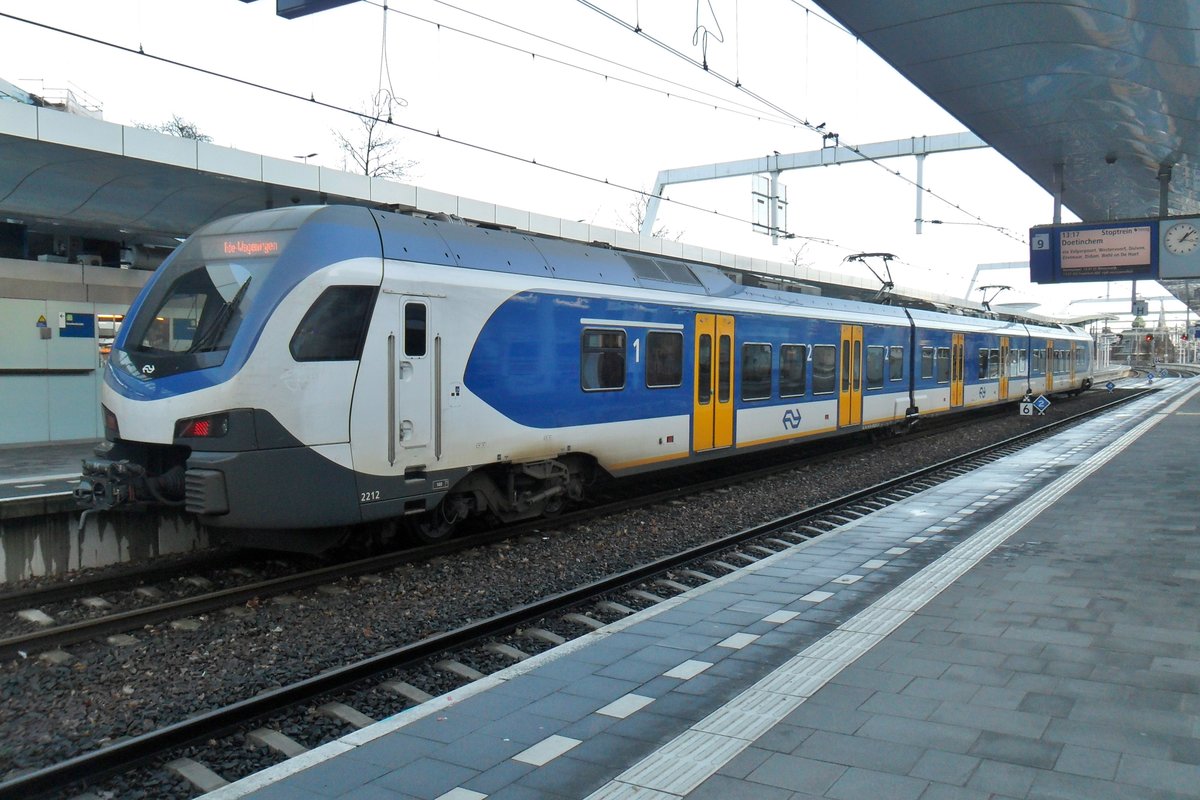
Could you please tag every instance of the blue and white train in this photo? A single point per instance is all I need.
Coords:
(313, 367)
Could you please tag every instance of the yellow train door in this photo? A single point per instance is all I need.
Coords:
(712, 406)
(1003, 367)
(850, 391)
(957, 369)
(1049, 366)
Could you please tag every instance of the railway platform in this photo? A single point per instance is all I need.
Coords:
(1027, 630)
(36, 470)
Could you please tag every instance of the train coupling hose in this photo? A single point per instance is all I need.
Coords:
(107, 484)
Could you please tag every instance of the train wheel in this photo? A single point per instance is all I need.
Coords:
(433, 526)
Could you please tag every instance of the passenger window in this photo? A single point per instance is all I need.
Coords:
(602, 360)
(824, 361)
(724, 368)
(943, 365)
(874, 367)
(756, 371)
(334, 327)
(927, 362)
(896, 363)
(664, 359)
(792, 360)
(983, 362)
(414, 329)
(994, 364)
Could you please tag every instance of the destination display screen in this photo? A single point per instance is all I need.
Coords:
(243, 245)
(1105, 252)
(1094, 251)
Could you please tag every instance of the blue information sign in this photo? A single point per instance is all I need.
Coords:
(77, 326)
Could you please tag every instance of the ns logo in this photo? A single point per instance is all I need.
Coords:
(791, 418)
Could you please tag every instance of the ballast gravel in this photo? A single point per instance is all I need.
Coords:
(104, 692)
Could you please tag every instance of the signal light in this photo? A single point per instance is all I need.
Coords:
(1149, 337)
(210, 427)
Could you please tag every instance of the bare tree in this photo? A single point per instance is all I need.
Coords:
(797, 256)
(635, 217)
(369, 148)
(177, 126)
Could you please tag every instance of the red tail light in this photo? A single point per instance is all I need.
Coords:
(111, 428)
(210, 427)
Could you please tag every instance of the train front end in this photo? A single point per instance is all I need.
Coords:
(195, 409)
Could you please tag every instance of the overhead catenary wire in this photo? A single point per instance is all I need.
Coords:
(818, 129)
(438, 135)
(714, 101)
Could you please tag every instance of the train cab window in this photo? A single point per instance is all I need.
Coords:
(793, 358)
(824, 361)
(602, 360)
(896, 363)
(415, 315)
(334, 327)
(943, 365)
(664, 359)
(927, 362)
(874, 367)
(756, 371)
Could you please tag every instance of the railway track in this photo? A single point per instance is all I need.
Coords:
(98, 618)
(733, 550)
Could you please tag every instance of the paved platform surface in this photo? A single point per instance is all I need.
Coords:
(1025, 631)
(42, 469)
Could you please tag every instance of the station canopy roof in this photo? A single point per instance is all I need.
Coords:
(1108, 90)
(1096, 99)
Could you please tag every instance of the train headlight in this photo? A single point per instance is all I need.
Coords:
(208, 427)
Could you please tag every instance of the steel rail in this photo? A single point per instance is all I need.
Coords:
(141, 749)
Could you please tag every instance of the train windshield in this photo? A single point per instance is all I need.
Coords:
(194, 311)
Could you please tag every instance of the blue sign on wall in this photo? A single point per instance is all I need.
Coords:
(77, 326)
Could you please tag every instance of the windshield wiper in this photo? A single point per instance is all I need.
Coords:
(211, 337)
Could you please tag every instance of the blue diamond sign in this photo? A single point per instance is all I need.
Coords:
(1041, 404)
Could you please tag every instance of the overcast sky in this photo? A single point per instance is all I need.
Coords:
(491, 77)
